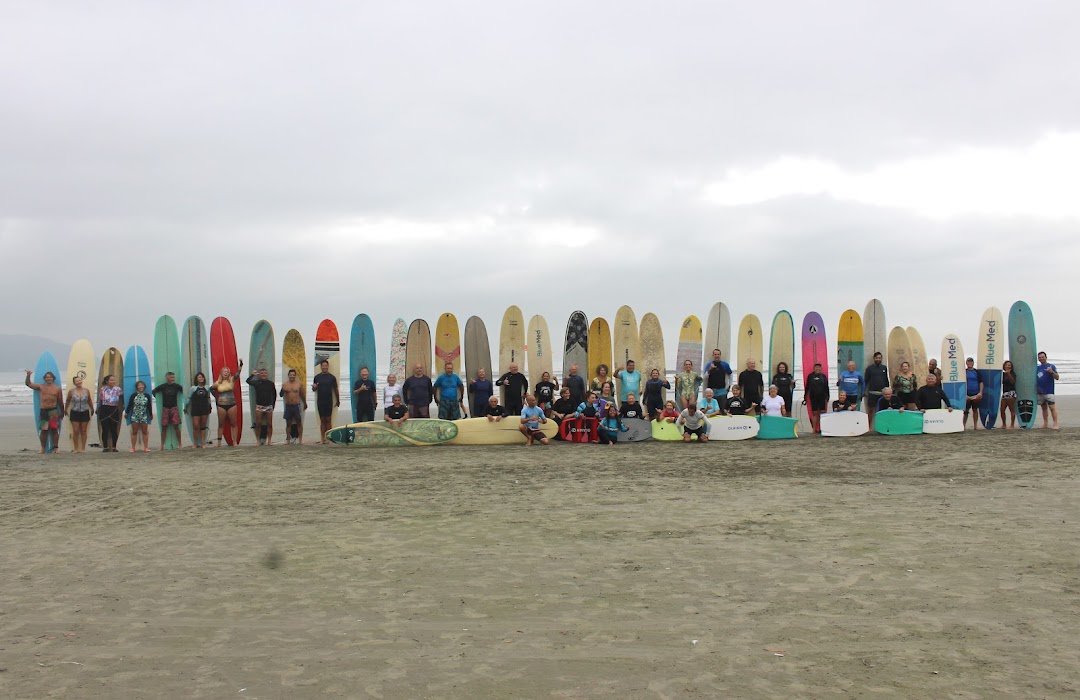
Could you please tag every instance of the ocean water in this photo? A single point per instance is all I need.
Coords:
(15, 396)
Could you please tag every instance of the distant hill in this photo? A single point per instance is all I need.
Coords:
(22, 351)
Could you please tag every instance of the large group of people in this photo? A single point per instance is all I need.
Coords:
(606, 400)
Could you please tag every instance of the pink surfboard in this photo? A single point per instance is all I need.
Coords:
(814, 348)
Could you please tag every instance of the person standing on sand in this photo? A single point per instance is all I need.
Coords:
(327, 397)
(935, 370)
(974, 393)
(449, 394)
(905, 385)
(199, 409)
(629, 380)
(140, 413)
(367, 398)
(531, 418)
(852, 382)
(170, 407)
(516, 385)
(576, 384)
(80, 405)
(816, 398)
(654, 393)
(50, 409)
(391, 390)
(266, 396)
(545, 392)
(717, 376)
(294, 395)
(877, 378)
(110, 401)
(686, 385)
(602, 375)
(752, 383)
(1044, 387)
(224, 391)
(481, 390)
(785, 384)
(1008, 394)
(417, 392)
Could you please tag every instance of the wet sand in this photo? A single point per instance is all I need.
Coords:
(926, 566)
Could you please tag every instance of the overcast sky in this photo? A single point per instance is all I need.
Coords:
(296, 161)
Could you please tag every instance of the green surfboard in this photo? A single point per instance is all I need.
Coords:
(894, 422)
(412, 433)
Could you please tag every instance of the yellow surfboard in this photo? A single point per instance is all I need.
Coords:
(651, 337)
(599, 347)
(539, 352)
(751, 344)
(481, 431)
(920, 362)
(83, 364)
(849, 342)
(447, 343)
(626, 345)
(690, 344)
(511, 343)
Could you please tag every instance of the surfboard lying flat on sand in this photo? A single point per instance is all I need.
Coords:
(751, 343)
(777, 428)
(361, 355)
(167, 359)
(937, 421)
(725, 428)
(893, 422)
(1025, 358)
(638, 429)
(223, 354)
(953, 371)
(46, 363)
(576, 345)
(539, 352)
(83, 364)
(781, 345)
(991, 354)
(414, 432)
(399, 338)
(481, 431)
(112, 363)
(651, 337)
(844, 424)
(667, 432)
(194, 358)
(875, 333)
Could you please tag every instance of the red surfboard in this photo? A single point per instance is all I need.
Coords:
(223, 354)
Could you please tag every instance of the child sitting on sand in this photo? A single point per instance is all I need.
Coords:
(610, 426)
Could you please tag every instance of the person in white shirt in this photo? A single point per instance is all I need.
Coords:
(389, 391)
(773, 404)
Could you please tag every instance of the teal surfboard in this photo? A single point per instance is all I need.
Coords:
(194, 358)
(263, 353)
(46, 363)
(136, 369)
(167, 359)
(1024, 355)
(777, 428)
(892, 422)
(361, 355)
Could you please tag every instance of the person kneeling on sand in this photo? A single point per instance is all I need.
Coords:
(531, 418)
(888, 402)
(493, 410)
(396, 413)
(693, 422)
(669, 415)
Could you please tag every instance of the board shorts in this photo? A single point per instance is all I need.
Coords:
(694, 431)
(264, 409)
(1046, 399)
(972, 402)
(535, 433)
(292, 412)
(170, 416)
(420, 411)
(1008, 394)
(449, 409)
(48, 419)
(79, 416)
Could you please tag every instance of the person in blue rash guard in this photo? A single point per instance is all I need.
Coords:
(531, 418)
(852, 382)
(1045, 375)
(629, 380)
(974, 393)
(610, 426)
(449, 394)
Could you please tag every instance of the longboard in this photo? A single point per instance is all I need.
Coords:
(399, 338)
(599, 348)
(414, 432)
(418, 349)
(477, 355)
(361, 355)
(81, 363)
(717, 336)
(815, 348)
(511, 344)
(294, 357)
(447, 344)
(725, 428)
(937, 421)
(627, 344)
(844, 424)
(262, 353)
(751, 343)
(539, 352)
(136, 369)
(167, 359)
(194, 358)
(481, 431)
(849, 342)
(953, 371)
(691, 345)
(576, 345)
(920, 360)
(781, 345)
(328, 348)
(899, 350)
(875, 332)
(988, 360)
(46, 363)
(1024, 355)
(651, 337)
(893, 422)
(223, 354)
(777, 428)
(112, 364)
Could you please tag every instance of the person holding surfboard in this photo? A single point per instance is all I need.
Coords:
(294, 394)
(773, 404)
(1008, 394)
(816, 396)
(110, 399)
(1045, 376)
(266, 396)
(852, 382)
(170, 407)
(367, 398)
(140, 413)
(888, 402)
(576, 384)
(975, 388)
(198, 409)
(785, 384)
(654, 393)
(545, 392)
(602, 376)
(629, 380)
(752, 383)
(224, 391)
(396, 413)
(327, 397)
(51, 410)
(449, 394)
(905, 384)
(516, 385)
(931, 395)
(80, 406)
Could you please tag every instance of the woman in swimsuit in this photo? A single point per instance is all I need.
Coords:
(198, 407)
(80, 407)
(140, 413)
(905, 385)
(1008, 394)
(110, 400)
(224, 390)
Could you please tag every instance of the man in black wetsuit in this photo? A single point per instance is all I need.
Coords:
(417, 391)
(888, 402)
(515, 385)
(265, 399)
(752, 383)
(577, 386)
(877, 378)
(816, 398)
(931, 396)
(325, 387)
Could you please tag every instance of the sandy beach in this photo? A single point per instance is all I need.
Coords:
(926, 566)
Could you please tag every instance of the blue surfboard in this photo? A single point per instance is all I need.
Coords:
(1024, 355)
(991, 354)
(136, 369)
(45, 363)
(361, 354)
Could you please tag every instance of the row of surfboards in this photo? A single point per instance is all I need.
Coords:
(480, 431)
(190, 349)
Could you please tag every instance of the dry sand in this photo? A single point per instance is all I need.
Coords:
(919, 567)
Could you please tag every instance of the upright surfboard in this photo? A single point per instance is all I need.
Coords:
(82, 364)
(599, 347)
(1025, 358)
(447, 343)
(717, 336)
(399, 339)
(781, 345)
(194, 358)
(136, 369)
(576, 345)
(46, 363)
(262, 353)
(850, 342)
(899, 350)
(651, 336)
(361, 354)
(920, 360)
(223, 354)
(953, 371)
(991, 354)
(294, 357)
(539, 351)
(751, 343)
(875, 332)
(627, 345)
(112, 364)
(328, 348)
(477, 349)
(815, 348)
(691, 345)
(167, 359)
(418, 348)
(511, 344)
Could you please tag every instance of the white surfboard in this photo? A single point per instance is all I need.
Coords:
(844, 424)
(937, 421)
(732, 427)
